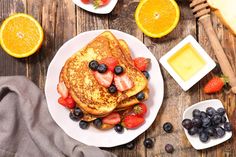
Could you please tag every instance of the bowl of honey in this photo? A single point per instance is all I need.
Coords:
(187, 62)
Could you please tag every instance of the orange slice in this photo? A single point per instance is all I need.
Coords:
(21, 35)
(157, 18)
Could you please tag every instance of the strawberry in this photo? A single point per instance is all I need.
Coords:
(67, 102)
(132, 121)
(98, 3)
(85, 1)
(113, 118)
(141, 63)
(111, 62)
(104, 79)
(140, 109)
(62, 90)
(123, 82)
(215, 85)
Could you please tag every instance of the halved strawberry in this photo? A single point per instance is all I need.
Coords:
(67, 102)
(140, 109)
(104, 79)
(62, 89)
(85, 1)
(98, 3)
(113, 118)
(111, 62)
(123, 82)
(141, 63)
(132, 121)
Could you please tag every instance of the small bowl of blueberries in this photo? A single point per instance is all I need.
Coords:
(206, 124)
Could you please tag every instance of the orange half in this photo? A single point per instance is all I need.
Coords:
(157, 18)
(21, 35)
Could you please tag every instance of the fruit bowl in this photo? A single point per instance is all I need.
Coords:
(202, 106)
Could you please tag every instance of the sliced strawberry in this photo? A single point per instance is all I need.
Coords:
(85, 1)
(141, 63)
(123, 82)
(62, 101)
(70, 102)
(132, 121)
(62, 90)
(111, 62)
(140, 109)
(67, 102)
(113, 118)
(104, 79)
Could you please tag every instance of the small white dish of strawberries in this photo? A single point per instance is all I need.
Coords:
(97, 6)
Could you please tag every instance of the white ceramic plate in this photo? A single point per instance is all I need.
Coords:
(194, 140)
(93, 136)
(101, 10)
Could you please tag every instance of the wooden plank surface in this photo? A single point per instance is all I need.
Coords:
(62, 20)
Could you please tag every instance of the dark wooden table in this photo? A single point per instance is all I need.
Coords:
(62, 20)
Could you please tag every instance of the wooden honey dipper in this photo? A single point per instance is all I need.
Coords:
(201, 11)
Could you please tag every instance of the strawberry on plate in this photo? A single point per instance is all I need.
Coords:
(67, 102)
(104, 79)
(141, 63)
(113, 119)
(62, 89)
(85, 1)
(215, 85)
(99, 3)
(132, 121)
(123, 82)
(111, 62)
(140, 109)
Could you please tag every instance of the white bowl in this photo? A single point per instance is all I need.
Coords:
(209, 63)
(101, 10)
(194, 140)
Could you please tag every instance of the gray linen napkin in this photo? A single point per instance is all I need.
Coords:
(27, 129)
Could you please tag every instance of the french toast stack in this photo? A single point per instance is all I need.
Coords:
(89, 95)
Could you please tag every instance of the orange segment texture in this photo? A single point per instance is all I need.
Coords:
(21, 35)
(157, 18)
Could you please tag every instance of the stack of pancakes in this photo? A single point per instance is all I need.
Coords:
(91, 97)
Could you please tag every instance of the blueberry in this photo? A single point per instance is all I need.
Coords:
(227, 126)
(196, 113)
(193, 131)
(168, 127)
(203, 136)
(148, 143)
(216, 119)
(187, 124)
(206, 122)
(220, 131)
(203, 114)
(119, 128)
(221, 111)
(169, 148)
(93, 65)
(98, 123)
(130, 145)
(210, 111)
(223, 119)
(83, 124)
(146, 74)
(197, 122)
(102, 68)
(73, 117)
(78, 112)
(140, 96)
(118, 70)
(112, 89)
(210, 131)
(200, 130)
